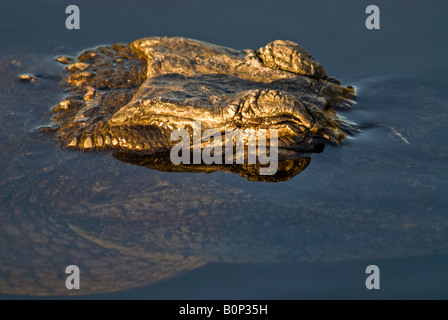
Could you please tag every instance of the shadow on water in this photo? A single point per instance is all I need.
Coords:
(379, 196)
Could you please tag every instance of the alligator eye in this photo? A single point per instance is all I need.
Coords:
(130, 97)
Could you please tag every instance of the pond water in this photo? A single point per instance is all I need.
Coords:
(379, 199)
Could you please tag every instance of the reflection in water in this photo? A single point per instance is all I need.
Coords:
(126, 226)
(121, 228)
(286, 169)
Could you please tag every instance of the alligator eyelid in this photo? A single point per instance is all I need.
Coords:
(118, 93)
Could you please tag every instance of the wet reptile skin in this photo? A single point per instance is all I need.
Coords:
(130, 97)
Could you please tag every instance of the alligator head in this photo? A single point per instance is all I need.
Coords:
(131, 98)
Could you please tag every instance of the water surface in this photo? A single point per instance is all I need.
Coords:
(378, 199)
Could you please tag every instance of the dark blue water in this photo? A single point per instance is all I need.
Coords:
(379, 199)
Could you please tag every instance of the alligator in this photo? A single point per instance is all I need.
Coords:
(131, 97)
(127, 227)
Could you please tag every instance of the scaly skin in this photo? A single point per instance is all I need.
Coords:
(131, 97)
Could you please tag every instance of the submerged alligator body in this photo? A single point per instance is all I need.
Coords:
(131, 97)
(126, 227)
